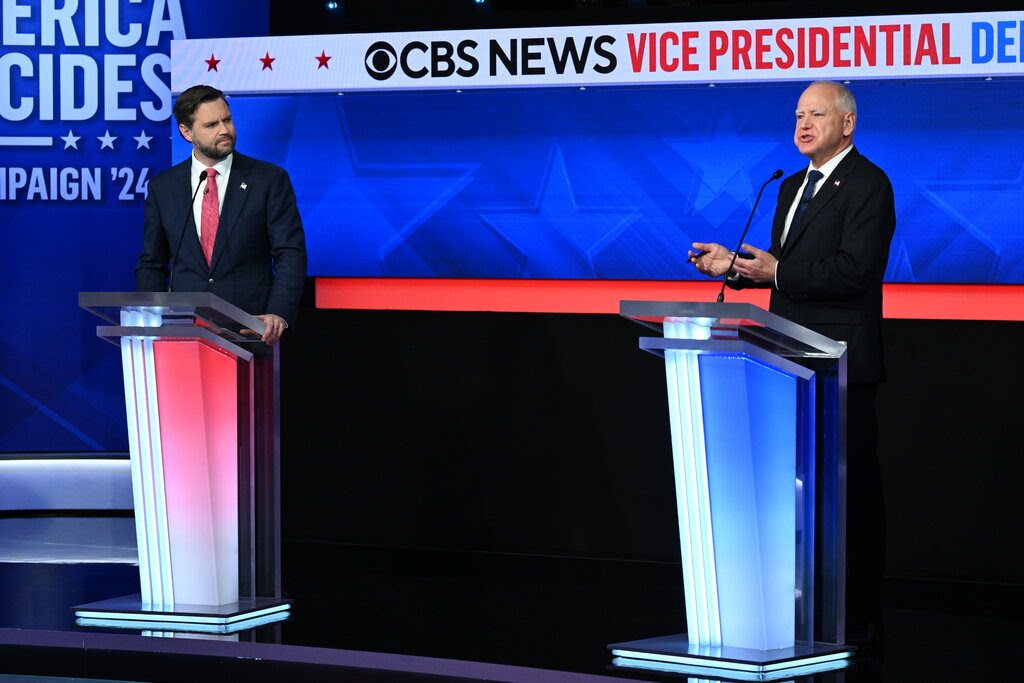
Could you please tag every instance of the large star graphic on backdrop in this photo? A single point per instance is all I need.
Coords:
(988, 211)
(724, 159)
(901, 267)
(556, 237)
(393, 199)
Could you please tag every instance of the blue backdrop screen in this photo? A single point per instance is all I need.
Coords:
(85, 102)
(616, 183)
(528, 183)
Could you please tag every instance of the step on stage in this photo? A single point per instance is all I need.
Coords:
(378, 614)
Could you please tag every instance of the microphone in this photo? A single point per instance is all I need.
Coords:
(736, 252)
(202, 177)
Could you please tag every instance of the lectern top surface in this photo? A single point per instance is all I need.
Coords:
(735, 320)
(201, 309)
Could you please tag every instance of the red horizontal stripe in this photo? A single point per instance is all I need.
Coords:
(954, 302)
(920, 301)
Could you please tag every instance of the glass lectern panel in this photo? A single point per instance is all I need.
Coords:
(756, 407)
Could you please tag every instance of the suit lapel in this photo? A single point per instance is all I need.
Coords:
(786, 197)
(234, 200)
(183, 188)
(829, 191)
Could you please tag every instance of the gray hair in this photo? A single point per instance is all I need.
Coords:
(844, 98)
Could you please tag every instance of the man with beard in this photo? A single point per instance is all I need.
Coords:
(243, 241)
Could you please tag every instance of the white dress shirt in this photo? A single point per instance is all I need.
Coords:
(223, 172)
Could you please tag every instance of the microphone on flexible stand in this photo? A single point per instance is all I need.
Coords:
(736, 252)
(202, 177)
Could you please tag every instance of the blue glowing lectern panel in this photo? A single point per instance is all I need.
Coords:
(748, 438)
(750, 411)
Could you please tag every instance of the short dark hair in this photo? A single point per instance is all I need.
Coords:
(188, 102)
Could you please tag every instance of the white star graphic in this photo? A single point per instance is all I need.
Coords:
(71, 140)
(143, 140)
(107, 140)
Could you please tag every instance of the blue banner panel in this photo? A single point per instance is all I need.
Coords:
(85, 102)
(618, 182)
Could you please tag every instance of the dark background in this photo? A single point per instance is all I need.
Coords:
(547, 435)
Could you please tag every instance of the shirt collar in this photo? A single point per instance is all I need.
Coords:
(826, 168)
(223, 166)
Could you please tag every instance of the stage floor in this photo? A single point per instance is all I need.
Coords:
(380, 614)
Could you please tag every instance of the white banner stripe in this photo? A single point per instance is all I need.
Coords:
(26, 142)
(909, 46)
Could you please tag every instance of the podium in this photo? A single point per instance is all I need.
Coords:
(757, 417)
(201, 397)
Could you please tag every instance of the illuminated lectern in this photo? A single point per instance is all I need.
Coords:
(757, 415)
(201, 399)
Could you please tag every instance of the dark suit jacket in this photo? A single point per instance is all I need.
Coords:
(259, 257)
(831, 267)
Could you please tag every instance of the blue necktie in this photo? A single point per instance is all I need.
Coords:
(812, 179)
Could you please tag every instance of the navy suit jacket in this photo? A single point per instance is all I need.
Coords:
(259, 256)
(830, 270)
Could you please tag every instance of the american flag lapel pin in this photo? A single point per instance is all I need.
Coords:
(243, 185)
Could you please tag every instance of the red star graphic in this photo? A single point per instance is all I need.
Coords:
(323, 59)
(212, 63)
(268, 62)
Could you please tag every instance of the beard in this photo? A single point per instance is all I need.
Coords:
(216, 152)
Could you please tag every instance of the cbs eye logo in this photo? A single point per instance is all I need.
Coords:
(381, 60)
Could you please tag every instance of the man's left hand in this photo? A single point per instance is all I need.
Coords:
(761, 268)
(275, 327)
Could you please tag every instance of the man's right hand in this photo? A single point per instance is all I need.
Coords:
(715, 262)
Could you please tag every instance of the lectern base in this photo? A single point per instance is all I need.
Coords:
(131, 613)
(674, 653)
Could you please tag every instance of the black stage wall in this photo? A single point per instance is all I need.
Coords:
(548, 434)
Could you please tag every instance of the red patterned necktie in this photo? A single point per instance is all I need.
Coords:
(211, 215)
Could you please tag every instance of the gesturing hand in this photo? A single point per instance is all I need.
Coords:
(761, 268)
(714, 262)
